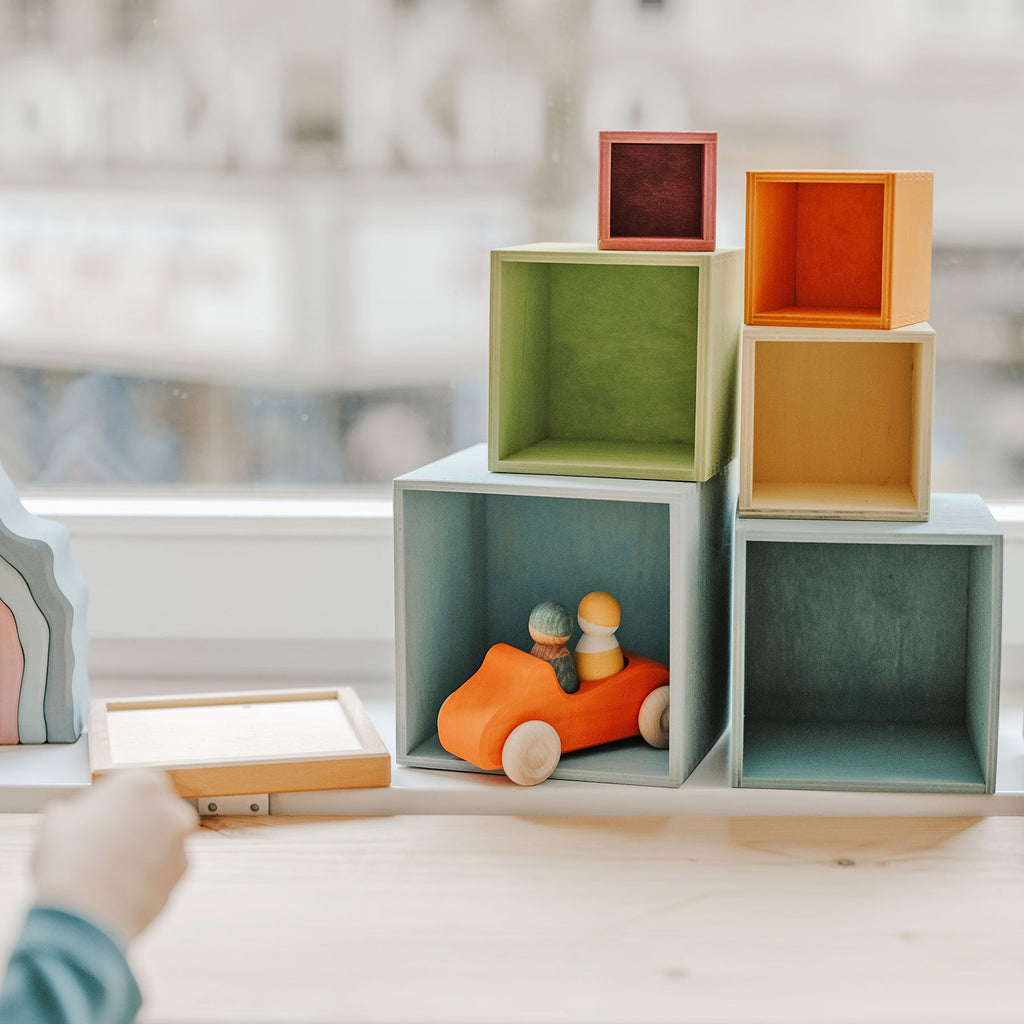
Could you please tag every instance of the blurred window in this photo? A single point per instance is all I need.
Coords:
(246, 243)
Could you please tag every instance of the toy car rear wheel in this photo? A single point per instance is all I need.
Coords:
(653, 718)
(531, 753)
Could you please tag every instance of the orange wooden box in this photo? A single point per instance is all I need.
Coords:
(846, 249)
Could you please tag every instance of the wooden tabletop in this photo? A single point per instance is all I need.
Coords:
(452, 919)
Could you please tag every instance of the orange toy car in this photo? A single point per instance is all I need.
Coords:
(512, 714)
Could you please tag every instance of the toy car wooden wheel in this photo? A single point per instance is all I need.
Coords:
(531, 753)
(653, 717)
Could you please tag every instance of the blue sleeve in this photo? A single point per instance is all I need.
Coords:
(65, 970)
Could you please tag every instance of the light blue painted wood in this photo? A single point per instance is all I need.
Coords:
(984, 636)
(856, 632)
(561, 549)
(480, 549)
(707, 587)
(861, 756)
(866, 653)
(445, 583)
(34, 637)
(630, 762)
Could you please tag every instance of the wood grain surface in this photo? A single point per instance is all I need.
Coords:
(592, 919)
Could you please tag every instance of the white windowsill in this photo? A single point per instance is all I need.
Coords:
(29, 777)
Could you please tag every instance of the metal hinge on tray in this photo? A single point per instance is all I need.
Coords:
(249, 804)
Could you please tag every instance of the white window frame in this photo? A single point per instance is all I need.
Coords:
(292, 589)
(253, 588)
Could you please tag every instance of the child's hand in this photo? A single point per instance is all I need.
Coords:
(114, 854)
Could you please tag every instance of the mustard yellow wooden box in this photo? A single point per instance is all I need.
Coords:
(836, 424)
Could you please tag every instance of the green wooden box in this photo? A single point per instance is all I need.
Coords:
(476, 551)
(614, 364)
(866, 654)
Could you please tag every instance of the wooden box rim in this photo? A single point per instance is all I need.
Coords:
(272, 774)
(705, 242)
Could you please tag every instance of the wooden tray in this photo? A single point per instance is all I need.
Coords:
(223, 744)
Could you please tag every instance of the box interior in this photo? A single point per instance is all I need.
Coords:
(867, 665)
(656, 190)
(818, 247)
(477, 564)
(598, 363)
(835, 425)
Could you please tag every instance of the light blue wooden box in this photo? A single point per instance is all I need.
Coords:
(475, 551)
(866, 655)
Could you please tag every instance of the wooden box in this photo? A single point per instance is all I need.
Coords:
(476, 551)
(225, 744)
(866, 655)
(613, 364)
(842, 249)
(836, 424)
(657, 190)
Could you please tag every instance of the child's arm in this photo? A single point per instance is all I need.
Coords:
(104, 867)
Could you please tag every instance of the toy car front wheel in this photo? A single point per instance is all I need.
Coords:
(653, 718)
(531, 753)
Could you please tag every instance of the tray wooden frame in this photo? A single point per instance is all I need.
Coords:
(344, 769)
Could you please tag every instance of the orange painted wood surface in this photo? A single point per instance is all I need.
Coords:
(845, 249)
(12, 668)
(512, 687)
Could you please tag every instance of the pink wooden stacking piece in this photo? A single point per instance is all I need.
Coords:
(12, 668)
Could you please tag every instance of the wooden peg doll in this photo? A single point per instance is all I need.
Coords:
(598, 654)
(551, 627)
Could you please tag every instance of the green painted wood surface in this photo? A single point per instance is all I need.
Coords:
(856, 633)
(523, 298)
(620, 459)
(599, 352)
(622, 358)
(860, 756)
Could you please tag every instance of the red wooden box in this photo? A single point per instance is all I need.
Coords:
(657, 191)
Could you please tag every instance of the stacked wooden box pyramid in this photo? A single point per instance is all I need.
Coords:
(866, 612)
(611, 423)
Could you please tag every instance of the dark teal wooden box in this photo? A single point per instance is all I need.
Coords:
(866, 655)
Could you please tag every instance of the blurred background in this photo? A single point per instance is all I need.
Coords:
(244, 243)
